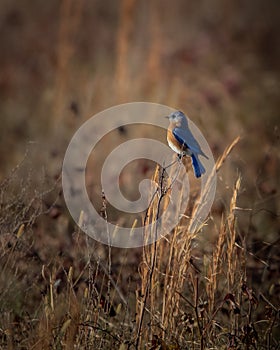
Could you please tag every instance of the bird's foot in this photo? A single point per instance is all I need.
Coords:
(180, 156)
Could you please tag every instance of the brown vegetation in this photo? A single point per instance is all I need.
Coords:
(215, 288)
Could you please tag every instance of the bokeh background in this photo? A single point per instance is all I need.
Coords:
(63, 61)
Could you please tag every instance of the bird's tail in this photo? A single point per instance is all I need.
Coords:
(197, 166)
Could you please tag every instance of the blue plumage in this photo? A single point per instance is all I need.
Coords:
(182, 141)
(197, 166)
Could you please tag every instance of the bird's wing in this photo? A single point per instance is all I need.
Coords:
(186, 138)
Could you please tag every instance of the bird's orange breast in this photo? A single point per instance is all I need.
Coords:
(174, 143)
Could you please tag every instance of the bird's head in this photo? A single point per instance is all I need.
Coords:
(178, 119)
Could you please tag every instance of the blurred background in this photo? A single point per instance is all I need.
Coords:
(63, 61)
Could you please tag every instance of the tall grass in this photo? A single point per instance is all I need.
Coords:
(60, 290)
(182, 291)
(185, 297)
(70, 19)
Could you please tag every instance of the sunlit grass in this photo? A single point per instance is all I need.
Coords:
(217, 287)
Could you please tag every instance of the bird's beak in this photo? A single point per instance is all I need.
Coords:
(166, 116)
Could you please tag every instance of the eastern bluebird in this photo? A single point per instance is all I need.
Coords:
(181, 140)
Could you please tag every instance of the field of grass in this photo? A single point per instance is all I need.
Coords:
(215, 288)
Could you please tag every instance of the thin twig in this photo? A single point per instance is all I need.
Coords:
(161, 196)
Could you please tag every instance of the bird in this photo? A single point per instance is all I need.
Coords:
(181, 140)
